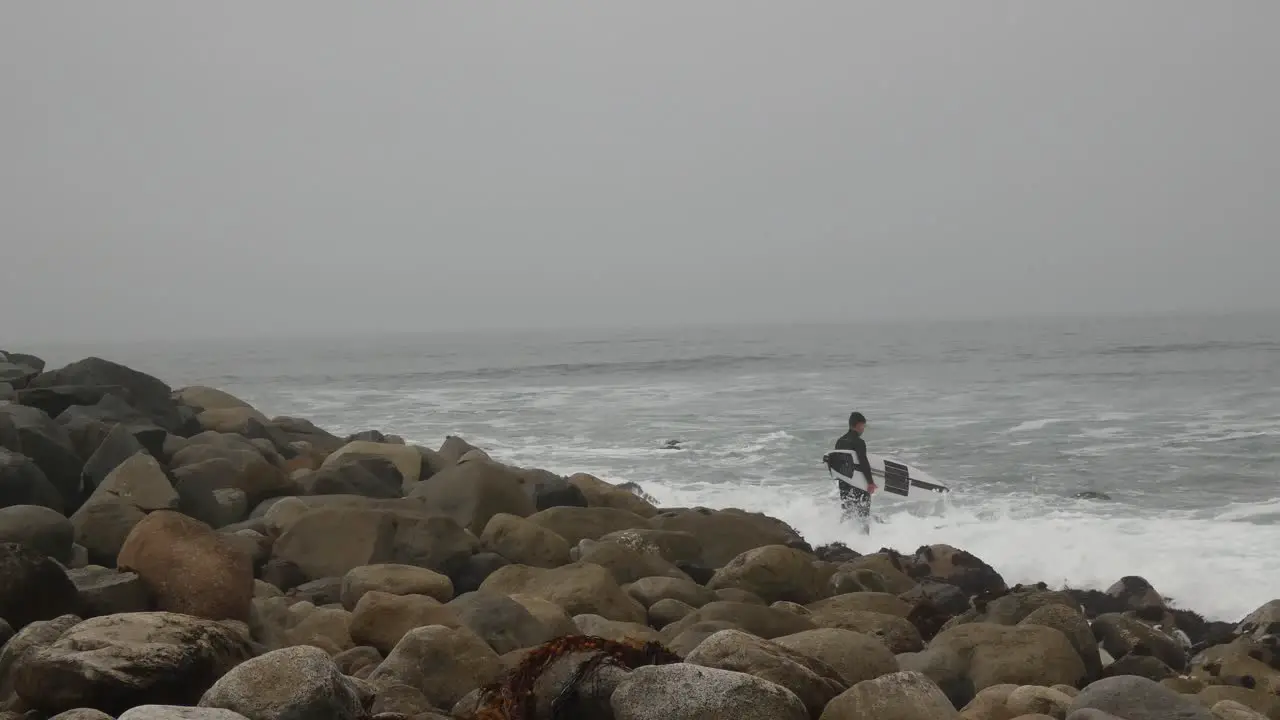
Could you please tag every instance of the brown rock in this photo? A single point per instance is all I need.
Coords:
(395, 580)
(117, 662)
(380, 619)
(812, 680)
(575, 524)
(665, 612)
(580, 588)
(297, 682)
(189, 568)
(627, 564)
(759, 620)
(556, 620)
(649, 591)
(443, 663)
(854, 655)
(503, 623)
(726, 534)
(614, 630)
(602, 494)
(898, 696)
(774, 572)
(33, 587)
(524, 543)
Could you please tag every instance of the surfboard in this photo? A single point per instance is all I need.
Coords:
(897, 478)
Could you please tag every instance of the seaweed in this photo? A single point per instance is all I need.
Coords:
(513, 698)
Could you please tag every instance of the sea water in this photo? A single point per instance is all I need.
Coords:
(1174, 419)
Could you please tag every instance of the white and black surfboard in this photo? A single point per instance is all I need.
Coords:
(891, 476)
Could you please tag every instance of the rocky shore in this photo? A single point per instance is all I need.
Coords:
(172, 554)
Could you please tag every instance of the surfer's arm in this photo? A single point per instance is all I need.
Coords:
(864, 463)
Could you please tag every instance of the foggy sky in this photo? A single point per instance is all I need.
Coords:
(191, 169)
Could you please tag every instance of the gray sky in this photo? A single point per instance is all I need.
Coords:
(185, 169)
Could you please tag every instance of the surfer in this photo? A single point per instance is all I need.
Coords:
(855, 501)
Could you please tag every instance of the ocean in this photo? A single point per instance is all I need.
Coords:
(1175, 419)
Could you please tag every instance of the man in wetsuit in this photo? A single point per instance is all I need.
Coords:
(854, 500)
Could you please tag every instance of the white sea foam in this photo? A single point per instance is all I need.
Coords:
(1223, 567)
(1033, 425)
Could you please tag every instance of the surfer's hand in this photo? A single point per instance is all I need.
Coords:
(872, 487)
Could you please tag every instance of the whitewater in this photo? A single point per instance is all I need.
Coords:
(1174, 420)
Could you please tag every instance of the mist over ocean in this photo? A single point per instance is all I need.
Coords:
(1176, 419)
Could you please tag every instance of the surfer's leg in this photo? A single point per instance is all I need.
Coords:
(855, 503)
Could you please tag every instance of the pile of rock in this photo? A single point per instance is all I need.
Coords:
(179, 554)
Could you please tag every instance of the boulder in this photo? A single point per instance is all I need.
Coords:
(404, 700)
(627, 564)
(759, 620)
(200, 398)
(966, 659)
(856, 656)
(651, 590)
(139, 481)
(953, 566)
(580, 588)
(363, 475)
(370, 536)
(552, 616)
(897, 696)
(504, 624)
(472, 493)
(327, 628)
(1243, 657)
(302, 430)
(1135, 593)
(102, 527)
(115, 448)
(242, 466)
(679, 548)
(454, 449)
(548, 490)
(110, 408)
(229, 420)
(38, 528)
(22, 482)
(1135, 698)
(690, 692)
(1121, 635)
(445, 664)
(623, 632)
(143, 712)
(189, 568)
(948, 599)
(575, 524)
(87, 435)
(296, 682)
(380, 619)
(896, 632)
(888, 571)
(726, 534)
(1265, 704)
(146, 393)
(812, 680)
(598, 493)
(117, 662)
(774, 572)
(49, 446)
(476, 570)
(876, 602)
(524, 543)
(104, 591)
(352, 661)
(1141, 665)
(1263, 621)
(1232, 710)
(171, 712)
(1073, 625)
(24, 644)
(406, 459)
(33, 587)
(395, 580)
(666, 612)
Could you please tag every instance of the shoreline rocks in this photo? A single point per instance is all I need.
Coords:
(181, 554)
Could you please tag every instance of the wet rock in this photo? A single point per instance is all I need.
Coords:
(297, 682)
(689, 692)
(576, 524)
(476, 570)
(117, 662)
(1261, 622)
(679, 548)
(406, 459)
(600, 494)
(726, 534)
(1121, 635)
(962, 569)
(371, 477)
(1072, 624)
(33, 587)
(189, 568)
(548, 490)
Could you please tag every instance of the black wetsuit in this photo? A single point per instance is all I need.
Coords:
(855, 501)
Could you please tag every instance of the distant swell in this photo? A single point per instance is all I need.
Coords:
(1190, 347)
